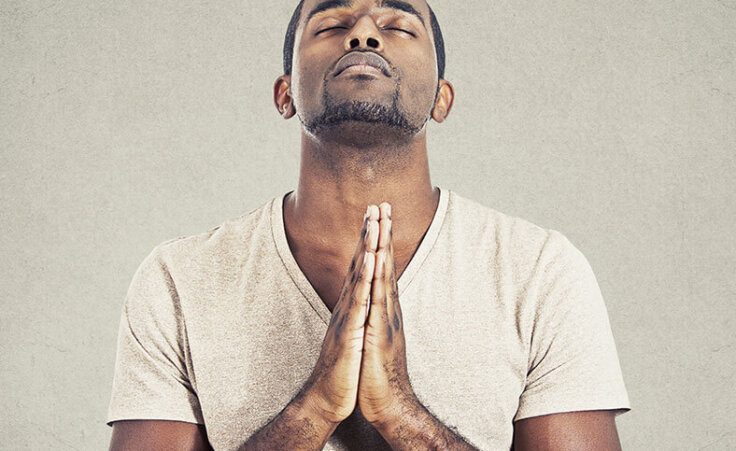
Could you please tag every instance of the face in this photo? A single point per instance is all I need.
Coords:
(394, 102)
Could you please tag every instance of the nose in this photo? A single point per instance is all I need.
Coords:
(364, 34)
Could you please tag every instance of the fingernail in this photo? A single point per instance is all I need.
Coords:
(367, 212)
(388, 211)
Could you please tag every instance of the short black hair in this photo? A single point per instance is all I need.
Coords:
(439, 42)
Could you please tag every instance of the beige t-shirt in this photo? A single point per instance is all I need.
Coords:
(503, 319)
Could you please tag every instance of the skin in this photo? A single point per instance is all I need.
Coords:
(334, 380)
(347, 168)
(344, 169)
(158, 434)
(384, 382)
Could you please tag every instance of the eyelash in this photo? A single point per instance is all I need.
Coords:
(345, 28)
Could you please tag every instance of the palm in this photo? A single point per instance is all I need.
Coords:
(383, 380)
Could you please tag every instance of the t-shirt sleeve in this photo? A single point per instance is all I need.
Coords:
(151, 380)
(573, 362)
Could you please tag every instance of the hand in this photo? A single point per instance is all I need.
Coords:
(334, 380)
(384, 388)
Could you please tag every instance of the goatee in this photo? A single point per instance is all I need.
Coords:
(375, 115)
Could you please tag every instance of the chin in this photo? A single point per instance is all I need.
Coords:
(342, 98)
(362, 118)
(363, 135)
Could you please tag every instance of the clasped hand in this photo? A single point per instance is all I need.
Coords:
(363, 357)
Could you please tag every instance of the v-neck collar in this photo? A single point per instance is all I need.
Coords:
(292, 267)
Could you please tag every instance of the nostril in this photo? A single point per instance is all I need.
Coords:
(372, 43)
(354, 43)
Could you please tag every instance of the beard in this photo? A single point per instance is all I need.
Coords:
(362, 122)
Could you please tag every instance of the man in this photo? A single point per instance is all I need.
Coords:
(437, 323)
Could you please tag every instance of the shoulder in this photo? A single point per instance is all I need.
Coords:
(516, 243)
(218, 245)
(518, 252)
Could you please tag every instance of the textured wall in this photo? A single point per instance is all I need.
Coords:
(123, 124)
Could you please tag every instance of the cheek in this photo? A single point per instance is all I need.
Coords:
(419, 82)
(306, 79)
(420, 87)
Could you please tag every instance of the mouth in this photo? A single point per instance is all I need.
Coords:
(362, 63)
(361, 69)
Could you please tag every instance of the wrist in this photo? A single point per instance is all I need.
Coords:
(401, 410)
(313, 405)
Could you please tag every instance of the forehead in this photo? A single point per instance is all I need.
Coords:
(414, 7)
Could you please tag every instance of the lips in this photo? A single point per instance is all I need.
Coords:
(362, 58)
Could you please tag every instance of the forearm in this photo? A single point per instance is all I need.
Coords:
(416, 428)
(297, 427)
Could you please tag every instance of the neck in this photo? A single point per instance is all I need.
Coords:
(338, 181)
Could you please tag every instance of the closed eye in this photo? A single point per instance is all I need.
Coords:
(330, 28)
(400, 29)
(345, 28)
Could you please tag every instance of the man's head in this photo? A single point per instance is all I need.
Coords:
(360, 70)
(439, 42)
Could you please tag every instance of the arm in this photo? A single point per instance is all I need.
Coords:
(416, 428)
(307, 421)
(595, 430)
(297, 427)
(329, 395)
(574, 385)
(387, 400)
(158, 434)
(385, 395)
(586, 430)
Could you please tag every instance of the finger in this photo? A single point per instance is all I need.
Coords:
(391, 281)
(378, 306)
(363, 277)
(361, 293)
(347, 299)
(374, 218)
(362, 242)
(389, 272)
(350, 317)
(385, 209)
(363, 245)
(355, 264)
(377, 310)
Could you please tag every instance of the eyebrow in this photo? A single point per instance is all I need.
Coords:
(402, 6)
(393, 4)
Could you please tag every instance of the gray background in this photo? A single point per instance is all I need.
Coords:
(124, 124)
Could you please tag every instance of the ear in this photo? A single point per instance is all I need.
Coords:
(282, 96)
(443, 104)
